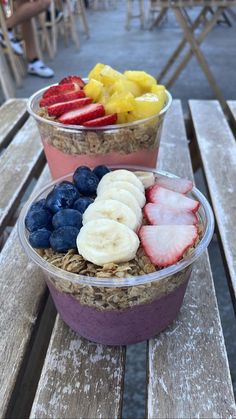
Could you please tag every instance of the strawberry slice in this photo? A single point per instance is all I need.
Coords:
(158, 214)
(174, 184)
(73, 79)
(171, 199)
(59, 108)
(63, 88)
(102, 121)
(166, 245)
(78, 116)
(61, 98)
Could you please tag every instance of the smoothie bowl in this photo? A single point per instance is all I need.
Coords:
(105, 119)
(117, 255)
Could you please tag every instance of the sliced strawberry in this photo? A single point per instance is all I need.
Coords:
(61, 98)
(158, 214)
(174, 184)
(60, 88)
(171, 199)
(78, 116)
(102, 121)
(166, 245)
(73, 79)
(59, 108)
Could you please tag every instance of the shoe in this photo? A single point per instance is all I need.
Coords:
(15, 43)
(38, 68)
(58, 17)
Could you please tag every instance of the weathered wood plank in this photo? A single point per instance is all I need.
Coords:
(17, 163)
(80, 379)
(13, 114)
(188, 373)
(22, 289)
(218, 153)
(232, 107)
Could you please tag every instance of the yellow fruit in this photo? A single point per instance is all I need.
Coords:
(122, 118)
(160, 91)
(124, 85)
(145, 106)
(95, 72)
(109, 75)
(143, 79)
(120, 102)
(93, 89)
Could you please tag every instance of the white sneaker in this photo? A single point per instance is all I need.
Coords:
(15, 44)
(38, 68)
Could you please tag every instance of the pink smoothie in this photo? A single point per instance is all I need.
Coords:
(119, 327)
(61, 164)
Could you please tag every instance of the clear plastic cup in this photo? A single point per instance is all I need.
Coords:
(68, 146)
(119, 310)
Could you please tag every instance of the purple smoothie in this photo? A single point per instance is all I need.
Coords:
(119, 327)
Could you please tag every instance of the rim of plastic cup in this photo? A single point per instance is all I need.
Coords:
(39, 93)
(114, 281)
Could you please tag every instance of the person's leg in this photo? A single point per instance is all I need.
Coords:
(25, 10)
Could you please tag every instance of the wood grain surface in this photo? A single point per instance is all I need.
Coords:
(218, 153)
(188, 373)
(13, 113)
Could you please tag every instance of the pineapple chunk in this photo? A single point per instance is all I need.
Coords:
(145, 106)
(160, 92)
(109, 75)
(93, 89)
(95, 72)
(125, 85)
(122, 118)
(143, 79)
(120, 103)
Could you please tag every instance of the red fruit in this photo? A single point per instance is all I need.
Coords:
(171, 199)
(100, 122)
(60, 88)
(166, 245)
(73, 79)
(61, 98)
(59, 108)
(78, 116)
(174, 184)
(158, 214)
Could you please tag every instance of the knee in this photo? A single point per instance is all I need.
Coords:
(45, 3)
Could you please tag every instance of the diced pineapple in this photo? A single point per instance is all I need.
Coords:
(109, 75)
(122, 118)
(95, 72)
(160, 91)
(145, 106)
(120, 103)
(143, 79)
(124, 85)
(93, 89)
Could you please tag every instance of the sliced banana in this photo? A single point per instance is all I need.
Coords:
(147, 178)
(107, 241)
(124, 196)
(121, 175)
(113, 210)
(137, 194)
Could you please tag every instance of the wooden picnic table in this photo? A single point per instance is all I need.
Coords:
(47, 371)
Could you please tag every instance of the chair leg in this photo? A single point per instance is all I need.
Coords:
(83, 17)
(73, 30)
(36, 39)
(5, 79)
(45, 35)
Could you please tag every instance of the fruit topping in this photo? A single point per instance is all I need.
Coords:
(67, 217)
(121, 175)
(37, 219)
(78, 116)
(137, 194)
(124, 196)
(59, 108)
(41, 204)
(60, 88)
(86, 182)
(48, 101)
(174, 184)
(171, 199)
(165, 245)
(100, 171)
(40, 238)
(82, 203)
(107, 241)
(159, 214)
(62, 196)
(73, 79)
(102, 121)
(147, 178)
(64, 238)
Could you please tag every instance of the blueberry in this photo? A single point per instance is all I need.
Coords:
(82, 170)
(36, 219)
(82, 203)
(40, 238)
(67, 217)
(100, 171)
(86, 183)
(64, 238)
(41, 204)
(62, 196)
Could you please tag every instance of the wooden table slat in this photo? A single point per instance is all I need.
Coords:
(218, 153)
(22, 289)
(13, 113)
(188, 360)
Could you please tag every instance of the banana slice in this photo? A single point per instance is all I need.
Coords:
(121, 175)
(147, 178)
(123, 196)
(107, 241)
(137, 194)
(113, 210)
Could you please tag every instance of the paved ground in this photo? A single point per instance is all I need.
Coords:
(141, 49)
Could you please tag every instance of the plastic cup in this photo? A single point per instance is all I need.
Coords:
(124, 310)
(68, 146)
